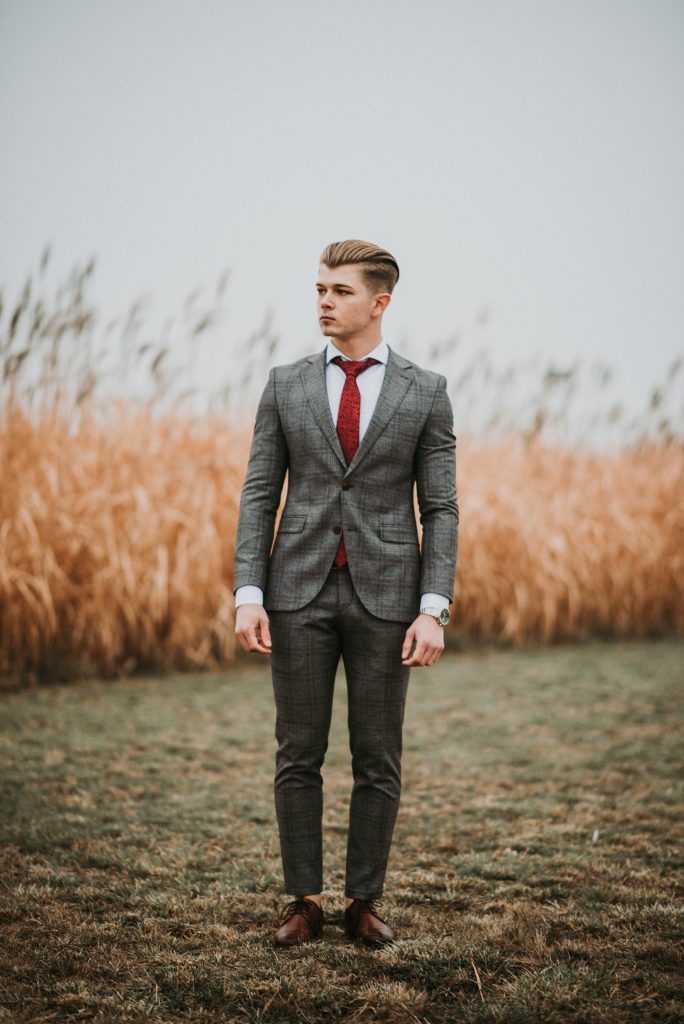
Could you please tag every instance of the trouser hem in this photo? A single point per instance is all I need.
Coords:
(300, 890)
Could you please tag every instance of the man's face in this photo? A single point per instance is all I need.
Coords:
(345, 306)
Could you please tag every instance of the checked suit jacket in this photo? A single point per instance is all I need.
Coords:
(409, 441)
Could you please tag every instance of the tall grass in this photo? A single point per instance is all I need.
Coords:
(118, 501)
(561, 544)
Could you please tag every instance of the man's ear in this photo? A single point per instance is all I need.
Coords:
(380, 303)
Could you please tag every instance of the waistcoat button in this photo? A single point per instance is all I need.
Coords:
(337, 529)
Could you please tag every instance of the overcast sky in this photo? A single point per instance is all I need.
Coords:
(520, 157)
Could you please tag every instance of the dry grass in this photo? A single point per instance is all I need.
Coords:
(116, 544)
(560, 544)
(535, 876)
(118, 517)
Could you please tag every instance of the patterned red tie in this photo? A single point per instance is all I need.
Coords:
(348, 420)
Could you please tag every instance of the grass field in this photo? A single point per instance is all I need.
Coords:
(536, 871)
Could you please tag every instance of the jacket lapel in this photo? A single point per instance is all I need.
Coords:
(398, 376)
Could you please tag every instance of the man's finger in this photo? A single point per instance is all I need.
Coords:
(259, 647)
(417, 657)
(252, 638)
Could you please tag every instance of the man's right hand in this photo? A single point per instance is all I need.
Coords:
(251, 628)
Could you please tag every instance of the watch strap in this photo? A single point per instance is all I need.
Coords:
(434, 612)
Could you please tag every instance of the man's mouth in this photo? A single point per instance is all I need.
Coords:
(327, 318)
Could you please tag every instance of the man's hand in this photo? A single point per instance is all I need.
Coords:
(251, 628)
(429, 639)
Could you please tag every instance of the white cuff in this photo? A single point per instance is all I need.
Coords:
(434, 601)
(249, 594)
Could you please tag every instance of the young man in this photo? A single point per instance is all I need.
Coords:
(354, 426)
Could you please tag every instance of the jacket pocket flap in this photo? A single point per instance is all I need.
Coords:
(397, 534)
(291, 524)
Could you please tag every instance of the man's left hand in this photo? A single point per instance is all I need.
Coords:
(429, 639)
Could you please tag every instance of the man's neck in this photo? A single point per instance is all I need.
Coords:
(355, 348)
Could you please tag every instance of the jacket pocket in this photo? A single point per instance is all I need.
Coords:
(291, 524)
(397, 535)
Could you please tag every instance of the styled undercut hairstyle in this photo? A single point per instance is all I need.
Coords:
(378, 267)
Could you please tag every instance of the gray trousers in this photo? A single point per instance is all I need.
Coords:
(306, 645)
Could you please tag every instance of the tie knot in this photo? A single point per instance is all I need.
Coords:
(353, 367)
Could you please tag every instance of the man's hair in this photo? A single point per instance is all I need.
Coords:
(379, 269)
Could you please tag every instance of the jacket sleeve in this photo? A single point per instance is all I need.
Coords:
(261, 492)
(435, 469)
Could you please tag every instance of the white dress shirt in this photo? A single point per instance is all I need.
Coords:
(369, 384)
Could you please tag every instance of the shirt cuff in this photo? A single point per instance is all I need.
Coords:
(434, 601)
(249, 594)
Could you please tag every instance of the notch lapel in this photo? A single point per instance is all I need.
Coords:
(313, 381)
(398, 376)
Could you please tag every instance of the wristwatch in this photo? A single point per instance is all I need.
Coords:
(441, 614)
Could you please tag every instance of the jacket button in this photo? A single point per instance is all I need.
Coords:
(337, 529)
(345, 485)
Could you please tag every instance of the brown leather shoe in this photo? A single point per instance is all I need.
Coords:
(300, 921)
(362, 921)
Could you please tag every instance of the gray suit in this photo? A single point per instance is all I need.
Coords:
(409, 438)
(318, 612)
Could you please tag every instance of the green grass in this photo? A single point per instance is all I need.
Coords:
(536, 871)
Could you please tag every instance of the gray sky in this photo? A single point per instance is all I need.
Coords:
(520, 156)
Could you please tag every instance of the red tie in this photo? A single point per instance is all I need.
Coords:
(348, 420)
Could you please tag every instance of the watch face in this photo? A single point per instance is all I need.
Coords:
(444, 616)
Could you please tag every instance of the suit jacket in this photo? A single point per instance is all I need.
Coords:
(409, 440)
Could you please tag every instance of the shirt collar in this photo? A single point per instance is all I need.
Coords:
(380, 352)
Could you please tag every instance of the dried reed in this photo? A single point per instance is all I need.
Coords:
(117, 518)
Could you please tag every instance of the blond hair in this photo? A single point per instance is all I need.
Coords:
(379, 269)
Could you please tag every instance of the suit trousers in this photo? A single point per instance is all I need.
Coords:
(306, 645)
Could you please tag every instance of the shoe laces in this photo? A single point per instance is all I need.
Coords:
(300, 905)
(372, 906)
